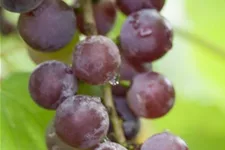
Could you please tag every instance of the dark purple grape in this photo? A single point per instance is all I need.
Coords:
(20, 6)
(127, 71)
(145, 36)
(110, 146)
(130, 6)
(49, 27)
(96, 60)
(131, 123)
(151, 95)
(81, 121)
(53, 142)
(104, 14)
(164, 141)
(51, 83)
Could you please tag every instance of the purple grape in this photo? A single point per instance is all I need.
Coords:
(20, 6)
(110, 146)
(104, 14)
(151, 95)
(131, 6)
(53, 142)
(145, 36)
(49, 27)
(81, 121)
(164, 141)
(127, 71)
(51, 83)
(96, 60)
(131, 123)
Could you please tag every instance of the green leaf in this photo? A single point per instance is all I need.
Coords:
(23, 123)
(207, 18)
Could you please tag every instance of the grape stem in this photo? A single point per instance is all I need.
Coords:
(116, 121)
(89, 22)
(90, 27)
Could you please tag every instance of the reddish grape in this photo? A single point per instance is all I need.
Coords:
(53, 142)
(145, 36)
(51, 83)
(130, 6)
(81, 121)
(49, 27)
(164, 141)
(151, 95)
(131, 123)
(96, 60)
(104, 15)
(20, 6)
(110, 146)
(127, 71)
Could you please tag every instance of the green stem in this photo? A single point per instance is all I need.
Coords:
(90, 27)
(115, 120)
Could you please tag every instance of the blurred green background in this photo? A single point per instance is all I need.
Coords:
(196, 65)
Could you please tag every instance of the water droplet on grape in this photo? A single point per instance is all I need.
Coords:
(115, 80)
(106, 139)
(143, 32)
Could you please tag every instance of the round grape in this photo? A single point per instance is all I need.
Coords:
(127, 71)
(64, 54)
(145, 36)
(81, 121)
(110, 146)
(53, 142)
(104, 15)
(131, 123)
(151, 95)
(130, 6)
(49, 27)
(96, 60)
(164, 141)
(20, 6)
(51, 83)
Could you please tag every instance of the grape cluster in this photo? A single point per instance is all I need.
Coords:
(88, 122)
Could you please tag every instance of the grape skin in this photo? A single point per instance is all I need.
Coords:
(145, 36)
(53, 142)
(49, 27)
(110, 146)
(96, 60)
(151, 95)
(20, 6)
(131, 123)
(81, 121)
(51, 83)
(64, 54)
(164, 141)
(130, 6)
(104, 15)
